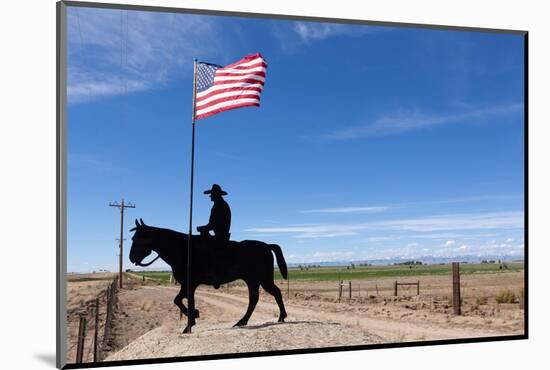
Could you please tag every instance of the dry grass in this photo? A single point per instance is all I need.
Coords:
(481, 301)
(506, 296)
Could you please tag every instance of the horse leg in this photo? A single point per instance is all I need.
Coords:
(253, 296)
(178, 301)
(191, 308)
(274, 290)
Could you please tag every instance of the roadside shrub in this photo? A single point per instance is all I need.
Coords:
(506, 296)
(480, 301)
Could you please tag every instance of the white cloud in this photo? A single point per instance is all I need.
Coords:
(436, 235)
(331, 255)
(449, 243)
(408, 252)
(311, 231)
(478, 198)
(326, 234)
(346, 210)
(314, 31)
(453, 222)
(414, 251)
(92, 87)
(365, 209)
(112, 52)
(375, 239)
(474, 221)
(409, 120)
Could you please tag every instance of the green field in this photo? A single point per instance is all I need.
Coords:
(370, 272)
(161, 276)
(377, 272)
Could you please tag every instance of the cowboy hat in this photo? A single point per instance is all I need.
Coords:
(216, 189)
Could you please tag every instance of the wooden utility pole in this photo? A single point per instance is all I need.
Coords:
(121, 206)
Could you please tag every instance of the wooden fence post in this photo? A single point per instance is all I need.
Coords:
(350, 289)
(107, 329)
(395, 288)
(522, 300)
(114, 288)
(81, 337)
(418, 287)
(96, 329)
(340, 283)
(456, 288)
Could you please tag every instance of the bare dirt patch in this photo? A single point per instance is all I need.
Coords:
(258, 337)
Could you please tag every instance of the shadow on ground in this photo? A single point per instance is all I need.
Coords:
(47, 358)
(268, 324)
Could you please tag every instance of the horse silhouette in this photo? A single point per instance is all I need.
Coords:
(249, 260)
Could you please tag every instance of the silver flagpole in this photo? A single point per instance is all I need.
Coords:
(190, 299)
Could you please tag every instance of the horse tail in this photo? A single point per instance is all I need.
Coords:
(280, 259)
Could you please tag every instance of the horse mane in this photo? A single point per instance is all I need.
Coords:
(167, 232)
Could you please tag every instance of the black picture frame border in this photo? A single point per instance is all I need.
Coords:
(61, 184)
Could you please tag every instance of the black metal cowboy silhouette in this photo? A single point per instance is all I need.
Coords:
(220, 218)
(249, 260)
(219, 223)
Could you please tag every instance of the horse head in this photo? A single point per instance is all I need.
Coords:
(142, 243)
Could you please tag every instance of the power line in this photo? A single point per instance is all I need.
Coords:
(125, 107)
(79, 28)
(168, 57)
(121, 55)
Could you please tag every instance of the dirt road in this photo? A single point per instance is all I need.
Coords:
(390, 330)
(310, 324)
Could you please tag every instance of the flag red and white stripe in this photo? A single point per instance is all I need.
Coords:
(234, 86)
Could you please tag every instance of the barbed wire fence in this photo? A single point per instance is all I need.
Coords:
(95, 324)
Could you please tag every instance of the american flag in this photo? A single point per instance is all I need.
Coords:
(234, 86)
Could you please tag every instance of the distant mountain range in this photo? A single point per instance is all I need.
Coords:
(429, 260)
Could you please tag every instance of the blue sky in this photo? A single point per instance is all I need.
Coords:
(371, 142)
